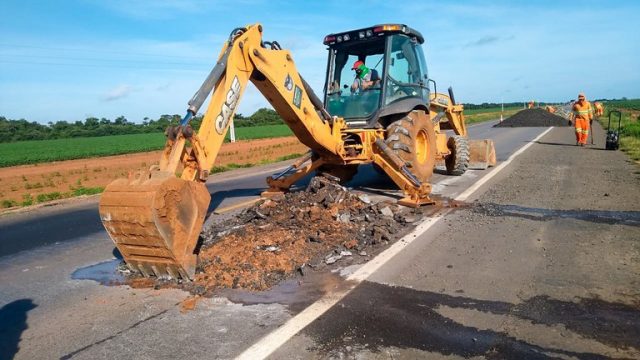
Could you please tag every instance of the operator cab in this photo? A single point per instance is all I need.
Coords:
(393, 53)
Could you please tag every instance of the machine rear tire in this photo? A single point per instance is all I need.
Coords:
(413, 139)
(458, 161)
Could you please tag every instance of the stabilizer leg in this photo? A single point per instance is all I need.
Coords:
(416, 192)
(281, 182)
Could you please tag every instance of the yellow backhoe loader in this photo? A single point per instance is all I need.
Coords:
(396, 123)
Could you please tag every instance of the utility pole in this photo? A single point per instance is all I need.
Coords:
(232, 132)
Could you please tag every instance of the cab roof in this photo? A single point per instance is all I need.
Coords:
(371, 32)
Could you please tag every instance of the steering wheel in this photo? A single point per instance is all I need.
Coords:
(398, 88)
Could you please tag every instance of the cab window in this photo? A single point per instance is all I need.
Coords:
(406, 76)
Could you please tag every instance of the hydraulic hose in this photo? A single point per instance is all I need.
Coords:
(214, 76)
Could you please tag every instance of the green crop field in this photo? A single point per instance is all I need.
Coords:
(262, 132)
(632, 104)
(40, 151)
(480, 115)
(496, 109)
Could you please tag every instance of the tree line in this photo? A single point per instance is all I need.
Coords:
(19, 130)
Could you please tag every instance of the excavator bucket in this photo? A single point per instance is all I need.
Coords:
(482, 154)
(155, 221)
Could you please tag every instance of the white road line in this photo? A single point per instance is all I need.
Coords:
(272, 341)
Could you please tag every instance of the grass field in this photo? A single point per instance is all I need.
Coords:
(633, 104)
(480, 115)
(496, 109)
(41, 151)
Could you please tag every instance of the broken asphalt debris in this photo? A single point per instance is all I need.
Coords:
(289, 235)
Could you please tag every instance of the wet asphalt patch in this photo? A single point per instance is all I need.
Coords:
(631, 218)
(376, 316)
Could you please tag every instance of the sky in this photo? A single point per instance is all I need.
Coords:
(72, 59)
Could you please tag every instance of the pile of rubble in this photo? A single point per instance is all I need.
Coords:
(534, 118)
(279, 237)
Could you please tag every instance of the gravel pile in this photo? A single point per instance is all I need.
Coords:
(534, 118)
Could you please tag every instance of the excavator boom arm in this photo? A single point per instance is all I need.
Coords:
(273, 72)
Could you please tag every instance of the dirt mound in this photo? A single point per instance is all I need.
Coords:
(279, 237)
(534, 118)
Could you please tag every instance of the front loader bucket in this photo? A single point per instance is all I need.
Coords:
(482, 154)
(155, 221)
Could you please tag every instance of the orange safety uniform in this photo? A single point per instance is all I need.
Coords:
(582, 115)
(599, 108)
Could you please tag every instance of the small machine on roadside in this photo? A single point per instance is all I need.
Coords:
(613, 136)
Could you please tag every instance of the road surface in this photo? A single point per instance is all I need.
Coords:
(544, 266)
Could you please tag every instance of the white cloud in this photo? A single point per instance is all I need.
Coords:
(119, 92)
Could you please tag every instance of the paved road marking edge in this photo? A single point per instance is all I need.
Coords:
(272, 341)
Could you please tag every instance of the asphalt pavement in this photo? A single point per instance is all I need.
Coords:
(459, 284)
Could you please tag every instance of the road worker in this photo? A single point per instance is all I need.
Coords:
(598, 108)
(582, 114)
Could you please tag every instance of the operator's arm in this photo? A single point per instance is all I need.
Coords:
(355, 85)
(362, 83)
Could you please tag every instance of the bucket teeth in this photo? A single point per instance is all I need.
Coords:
(156, 272)
(183, 274)
(143, 269)
(171, 272)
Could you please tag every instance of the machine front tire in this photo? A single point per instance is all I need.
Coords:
(413, 139)
(458, 161)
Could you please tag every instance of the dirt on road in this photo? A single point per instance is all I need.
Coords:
(31, 184)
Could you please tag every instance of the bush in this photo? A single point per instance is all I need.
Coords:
(48, 197)
(87, 191)
(27, 200)
(8, 203)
